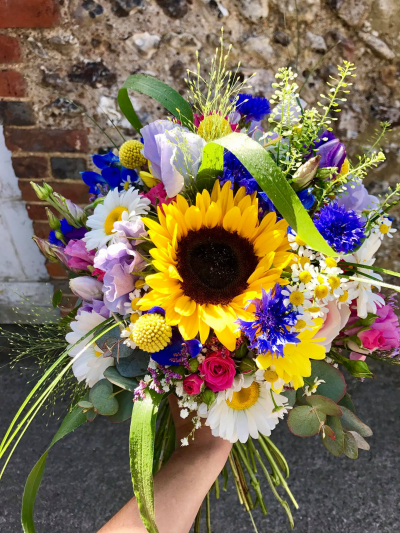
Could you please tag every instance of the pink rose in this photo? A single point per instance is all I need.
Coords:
(192, 384)
(218, 371)
(334, 321)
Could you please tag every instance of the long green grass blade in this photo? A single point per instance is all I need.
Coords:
(141, 452)
(272, 181)
(375, 268)
(163, 93)
(73, 420)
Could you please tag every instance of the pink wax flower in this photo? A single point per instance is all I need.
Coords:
(218, 371)
(99, 274)
(192, 384)
(158, 195)
(78, 256)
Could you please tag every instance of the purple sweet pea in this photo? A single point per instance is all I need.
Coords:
(97, 306)
(118, 261)
(78, 256)
(357, 199)
(332, 151)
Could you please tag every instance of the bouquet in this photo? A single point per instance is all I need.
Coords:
(226, 257)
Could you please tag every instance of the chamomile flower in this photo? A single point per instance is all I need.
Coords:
(306, 274)
(127, 206)
(298, 245)
(347, 296)
(269, 379)
(297, 295)
(384, 228)
(312, 389)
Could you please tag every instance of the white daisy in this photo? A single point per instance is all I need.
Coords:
(297, 295)
(384, 227)
(238, 414)
(127, 206)
(91, 364)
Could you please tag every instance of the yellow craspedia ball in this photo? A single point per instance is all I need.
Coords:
(151, 333)
(213, 127)
(130, 156)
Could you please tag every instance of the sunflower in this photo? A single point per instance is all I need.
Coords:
(212, 258)
(295, 364)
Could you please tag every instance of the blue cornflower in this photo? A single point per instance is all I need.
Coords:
(270, 329)
(342, 229)
(255, 108)
(112, 175)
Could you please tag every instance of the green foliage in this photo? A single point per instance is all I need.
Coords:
(327, 406)
(350, 446)
(113, 376)
(125, 406)
(112, 344)
(351, 422)
(334, 446)
(134, 365)
(334, 386)
(305, 421)
(290, 395)
(347, 402)
(101, 396)
(57, 297)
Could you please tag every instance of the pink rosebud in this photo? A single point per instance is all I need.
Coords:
(218, 371)
(192, 384)
(357, 356)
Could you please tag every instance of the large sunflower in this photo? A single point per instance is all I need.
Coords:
(213, 257)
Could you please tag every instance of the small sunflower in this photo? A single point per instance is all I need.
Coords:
(296, 364)
(213, 257)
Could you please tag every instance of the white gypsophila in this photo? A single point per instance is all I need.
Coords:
(249, 411)
(126, 206)
(184, 413)
(184, 442)
(384, 228)
(366, 299)
(126, 334)
(91, 364)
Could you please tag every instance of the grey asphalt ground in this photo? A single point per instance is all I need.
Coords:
(87, 475)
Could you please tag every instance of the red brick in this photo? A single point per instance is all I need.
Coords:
(55, 270)
(10, 49)
(37, 211)
(77, 192)
(36, 140)
(12, 83)
(28, 13)
(41, 229)
(30, 167)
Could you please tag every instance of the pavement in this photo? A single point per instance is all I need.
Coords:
(87, 475)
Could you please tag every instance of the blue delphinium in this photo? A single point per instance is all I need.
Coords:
(69, 232)
(112, 175)
(270, 329)
(255, 108)
(342, 229)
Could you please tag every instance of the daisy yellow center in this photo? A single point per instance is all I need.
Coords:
(305, 277)
(384, 228)
(301, 324)
(304, 261)
(343, 297)
(245, 398)
(126, 185)
(320, 278)
(134, 304)
(114, 216)
(330, 262)
(98, 352)
(134, 317)
(270, 376)
(299, 241)
(296, 298)
(140, 283)
(334, 282)
(151, 333)
(321, 291)
(213, 127)
(314, 309)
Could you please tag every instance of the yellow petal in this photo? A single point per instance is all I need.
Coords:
(226, 198)
(244, 202)
(173, 273)
(182, 203)
(268, 242)
(266, 224)
(232, 219)
(189, 326)
(227, 338)
(240, 195)
(193, 218)
(155, 226)
(213, 215)
(204, 330)
(216, 191)
(185, 306)
(248, 222)
(159, 241)
(206, 199)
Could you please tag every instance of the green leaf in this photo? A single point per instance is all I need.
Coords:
(73, 420)
(334, 386)
(211, 166)
(273, 182)
(346, 401)
(351, 422)
(334, 446)
(304, 421)
(359, 369)
(141, 452)
(57, 297)
(324, 404)
(90, 415)
(134, 365)
(85, 405)
(362, 444)
(112, 343)
(290, 395)
(350, 446)
(125, 402)
(163, 93)
(102, 399)
(112, 374)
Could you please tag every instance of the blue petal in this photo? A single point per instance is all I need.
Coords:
(92, 178)
(156, 309)
(104, 161)
(112, 175)
(163, 356)
(194, 347)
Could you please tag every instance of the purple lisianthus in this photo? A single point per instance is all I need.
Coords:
(118, 261)
(78, 256)
(97, 306)
(357, 199)
(331, 150)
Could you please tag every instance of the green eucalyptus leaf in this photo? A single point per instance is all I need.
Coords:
(334, 446)
(324, 404)
(304, 421)
(290, 395)
(73, 420)
(274, 183)
(85, 405)
(163, 93)
(362, 444)
(141, 453)
(350, 446)
(112, 374)
(125, 406)
(334, 386)
(90, 415)
(329, 432)
(134, 365)
(351, 422)
(101, 396)
(346, 401)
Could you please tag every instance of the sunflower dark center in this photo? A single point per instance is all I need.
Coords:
(215, 265)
